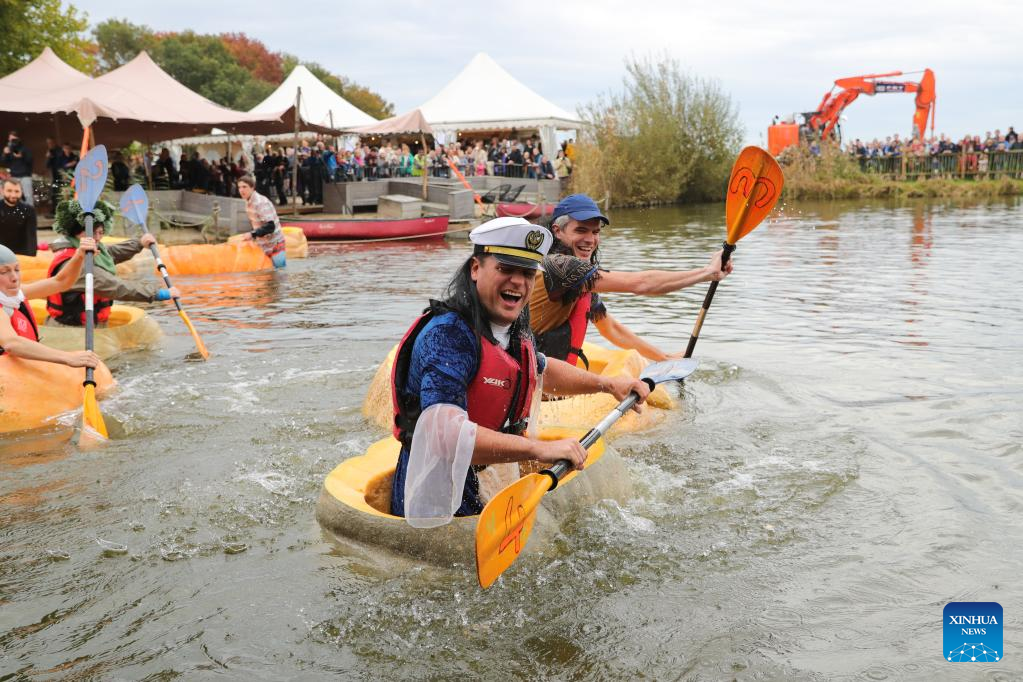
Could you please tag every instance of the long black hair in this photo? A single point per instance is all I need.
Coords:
(461, 297)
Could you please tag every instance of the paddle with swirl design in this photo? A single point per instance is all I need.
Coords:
(753, 190)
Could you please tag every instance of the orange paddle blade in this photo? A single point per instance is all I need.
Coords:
(195, 335)
(753, 190)
(93, 427)
(505, 524)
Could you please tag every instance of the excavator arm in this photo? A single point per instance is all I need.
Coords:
(834, 102)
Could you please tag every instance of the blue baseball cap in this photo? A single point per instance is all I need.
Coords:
(579, 207)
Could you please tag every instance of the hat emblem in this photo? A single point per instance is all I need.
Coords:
(534, 239)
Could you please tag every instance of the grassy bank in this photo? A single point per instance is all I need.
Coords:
(834, 175)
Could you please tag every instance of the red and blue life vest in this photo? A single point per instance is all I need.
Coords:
(499, 395)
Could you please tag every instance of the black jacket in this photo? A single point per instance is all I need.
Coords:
(18, 228)
(20, 166)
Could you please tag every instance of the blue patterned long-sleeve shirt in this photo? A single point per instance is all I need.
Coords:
(443, 364)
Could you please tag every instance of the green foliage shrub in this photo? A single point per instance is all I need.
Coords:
(667, 137)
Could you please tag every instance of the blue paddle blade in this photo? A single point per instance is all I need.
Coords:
(90, 176)
(669, 370)
(135, 205)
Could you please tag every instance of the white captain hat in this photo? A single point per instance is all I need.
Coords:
(514, 241)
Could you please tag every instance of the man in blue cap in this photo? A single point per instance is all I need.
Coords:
(561, 311)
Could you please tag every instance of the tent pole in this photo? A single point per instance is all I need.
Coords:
(147, 152)
(426, 167)
(294, 168)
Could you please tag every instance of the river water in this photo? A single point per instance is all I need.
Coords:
(847, 460)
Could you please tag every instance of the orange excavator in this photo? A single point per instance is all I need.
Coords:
(823, 123)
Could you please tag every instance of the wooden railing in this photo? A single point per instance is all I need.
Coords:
(971, 165)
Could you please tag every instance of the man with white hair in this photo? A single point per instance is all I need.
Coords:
(560, 314)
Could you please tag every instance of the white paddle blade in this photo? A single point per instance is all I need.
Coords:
(135, 205)
(669, 370)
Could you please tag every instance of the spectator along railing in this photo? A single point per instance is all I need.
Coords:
(966, 164)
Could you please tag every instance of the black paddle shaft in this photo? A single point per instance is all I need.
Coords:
(725, 257)
(90, 319)
(163, 270)
(558, 470)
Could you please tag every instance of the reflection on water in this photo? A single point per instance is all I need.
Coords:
(847, 460)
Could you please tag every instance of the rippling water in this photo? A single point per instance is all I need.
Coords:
(847, 461)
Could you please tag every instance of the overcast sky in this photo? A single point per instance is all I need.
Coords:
(771, 58)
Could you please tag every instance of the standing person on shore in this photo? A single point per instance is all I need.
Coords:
(18, 160)
(266, 226)
(55, 161)
(19, 331)
(17, 220)
(465, 378)
(562, 165)
(560, 323)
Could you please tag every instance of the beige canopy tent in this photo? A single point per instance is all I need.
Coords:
(137, 101)
(45, 73)
(412, 123)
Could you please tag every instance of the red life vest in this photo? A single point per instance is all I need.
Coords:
(499, 395)
(24, 322)
(68, 307)
(565, 342)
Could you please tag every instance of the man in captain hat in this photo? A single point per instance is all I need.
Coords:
(466, 377)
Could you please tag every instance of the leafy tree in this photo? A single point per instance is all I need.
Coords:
(365, 99)
(120, 41)
(31, 25)
(204, 64)
(359, 96)
(254, 56)
(667, 137)
(231, 69)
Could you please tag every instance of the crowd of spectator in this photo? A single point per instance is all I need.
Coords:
(970, 144)
(319, 162)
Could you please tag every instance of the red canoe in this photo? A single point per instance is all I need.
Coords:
(375, 228)
(523, 210)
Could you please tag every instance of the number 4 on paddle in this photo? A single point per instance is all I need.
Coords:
(507, 520)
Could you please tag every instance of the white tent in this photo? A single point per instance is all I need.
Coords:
(320, 105)
(486, 97)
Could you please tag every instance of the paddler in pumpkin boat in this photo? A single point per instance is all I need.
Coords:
(467, 377)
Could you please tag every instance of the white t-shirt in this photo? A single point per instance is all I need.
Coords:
(502, 334)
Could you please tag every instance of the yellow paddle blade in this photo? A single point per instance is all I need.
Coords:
(753, 190)
(195, 335)
(505, 524)
(92, 418)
